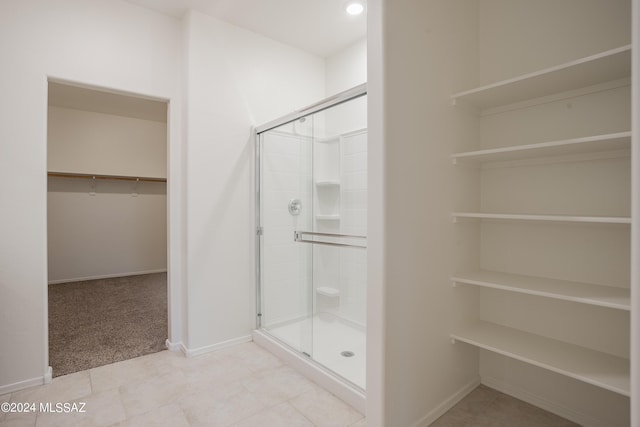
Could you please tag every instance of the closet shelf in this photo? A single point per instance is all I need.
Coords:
(327, 183)
(98, 176)
(584, 293)
(600, 369)
(549, 218)
(605, 66)
(589, 144)
(330, 217)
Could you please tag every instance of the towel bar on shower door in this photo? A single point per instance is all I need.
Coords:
(298, 236)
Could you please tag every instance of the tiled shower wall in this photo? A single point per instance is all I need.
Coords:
(353, 262)
(343, 268)
(286, 265)
(291, 272)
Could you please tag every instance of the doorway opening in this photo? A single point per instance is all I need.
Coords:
(106, 227)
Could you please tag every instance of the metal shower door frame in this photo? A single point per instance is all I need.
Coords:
(332, 101)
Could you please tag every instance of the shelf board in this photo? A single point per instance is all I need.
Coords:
(584, 293)
(589, 144)
(550, 218)
(328, 291)
(98, 176)
(329, 139)
(605, 66)
(331, 217)
(593, 367)
(328, 183)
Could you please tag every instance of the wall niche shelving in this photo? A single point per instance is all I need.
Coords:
(591, 165)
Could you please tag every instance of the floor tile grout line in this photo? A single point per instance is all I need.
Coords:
(91, 382)
(301, 413)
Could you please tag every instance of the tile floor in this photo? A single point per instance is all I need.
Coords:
(241, 386)
(486, 407)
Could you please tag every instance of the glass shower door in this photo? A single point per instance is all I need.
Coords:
(286, 205)
(312, 198)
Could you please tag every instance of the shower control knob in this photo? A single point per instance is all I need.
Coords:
(295, 206)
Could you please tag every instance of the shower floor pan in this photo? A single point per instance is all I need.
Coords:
(337, 344)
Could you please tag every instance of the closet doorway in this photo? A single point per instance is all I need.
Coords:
(107, 227)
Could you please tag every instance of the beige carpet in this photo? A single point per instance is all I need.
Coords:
(98, 322)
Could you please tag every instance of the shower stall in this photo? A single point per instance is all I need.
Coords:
(311, 198)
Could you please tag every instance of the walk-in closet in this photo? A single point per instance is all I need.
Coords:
(107, 226)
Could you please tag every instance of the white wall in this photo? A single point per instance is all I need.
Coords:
(109, 44)
(236, 79)
(97, 143)
(568, 30)
(115, 229)
(376, 409)
(411, 238)
(347, 68)
(108, 227)
(232, 79)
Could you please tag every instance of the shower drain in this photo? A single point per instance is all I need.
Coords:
(347, 354)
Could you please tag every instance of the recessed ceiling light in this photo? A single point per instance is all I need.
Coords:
(354, 8)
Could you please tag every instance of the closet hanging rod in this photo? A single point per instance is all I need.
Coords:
(97, 176)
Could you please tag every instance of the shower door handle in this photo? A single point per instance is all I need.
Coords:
(331, 239)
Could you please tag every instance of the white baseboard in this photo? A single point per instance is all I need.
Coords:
(175, 346)
(539, 401)
(21, 385)
(48, 376)
(449, 403)
(191, 352)
(106, 276)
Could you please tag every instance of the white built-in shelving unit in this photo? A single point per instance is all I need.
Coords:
(582, 362)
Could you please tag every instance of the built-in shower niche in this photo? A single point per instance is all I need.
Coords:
(327, 196)
(327, 180)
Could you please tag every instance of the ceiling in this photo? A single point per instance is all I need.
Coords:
(321, 27)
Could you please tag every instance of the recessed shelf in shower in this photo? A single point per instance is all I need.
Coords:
(328, 183)
(328, 291)
(331, 217)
